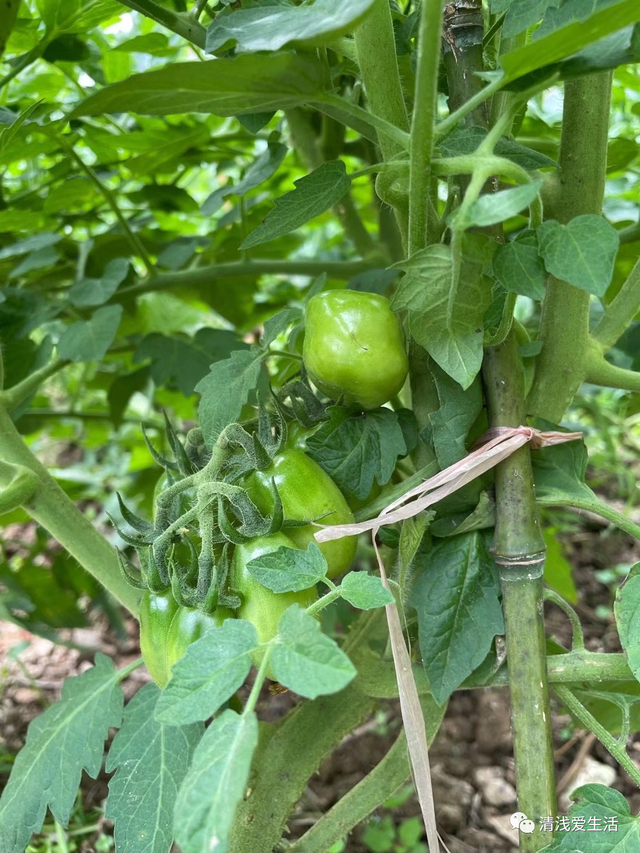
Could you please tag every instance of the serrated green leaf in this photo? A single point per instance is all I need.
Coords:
(568, 40)
(357, 449)
(89, 340)
(315, 193)
(289, 569)
(224, 87)
(446, 310)
(215, 783)
(454, 417)
(606, 819)
(365, 591)
(67, 738)
(492, 208)
(211, 671)
(457, 601)
(96, 291)
(151, 761)
(257, 173)
(225, 390)
(307, 661)
(581, 253)
(182, 362)
(519, 267)
(272, 27)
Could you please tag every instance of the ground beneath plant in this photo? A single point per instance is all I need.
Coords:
(472, 764)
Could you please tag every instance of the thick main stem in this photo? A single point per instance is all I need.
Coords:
(51, 508)
(378, 61)
(564, 328)
(519, 551)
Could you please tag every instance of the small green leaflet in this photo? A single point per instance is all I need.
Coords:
(558, 572)
(581, 253)
(257, 173)
(458, 607)
(357, 449)
(492, 208)
(96, 291)
(151, 761)
(567, 40)
(67, 738)
(226, 389)
(627, 612)
(456, 414)
(89, 340)
(519, 267)
(314, 194)
(307, 661)
(39, 260)
(364, 591)
(224, 87)
(289, 569)
(211, 671)
(215, 784)
(559, 473)
(597, 807)
(181, 362)
(446, 307)
(272, 27)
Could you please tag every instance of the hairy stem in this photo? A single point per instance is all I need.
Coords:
(564, 327)
(519, 550)
(51, 508)
(620, 312)
(612, 744)
(208, 274)
(423, 122)
(188, 28)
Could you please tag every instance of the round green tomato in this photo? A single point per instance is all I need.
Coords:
(260, 606)
(167, 630)
(187, 626)
(354, 347)
(307, 492)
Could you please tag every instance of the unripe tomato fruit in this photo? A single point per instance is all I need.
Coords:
(260, 606)
(307, 492)
(354, 347)
(167, 630)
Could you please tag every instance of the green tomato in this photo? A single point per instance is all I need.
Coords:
(307, 492)
(167, 630)
(354, 347)
(260, 606)
(297, 435)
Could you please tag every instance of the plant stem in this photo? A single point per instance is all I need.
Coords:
(620, 312)
(519, 551)
(611, 743)
(462, 53)
(604, 511)
(51, 508)
(15, 396)
(376, 50)
(599, 371)
(288, 753)
(356, 805)
(390, 134)
(564, 327)
(198, 9)
(134, 241)
(423, 121)
(630, 234)
(207, 274)
(306, 141)
(186, 27)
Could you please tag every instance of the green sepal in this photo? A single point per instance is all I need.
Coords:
(165, 463)
(132, 575)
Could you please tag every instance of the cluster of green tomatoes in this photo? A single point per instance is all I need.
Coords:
(258, 491)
